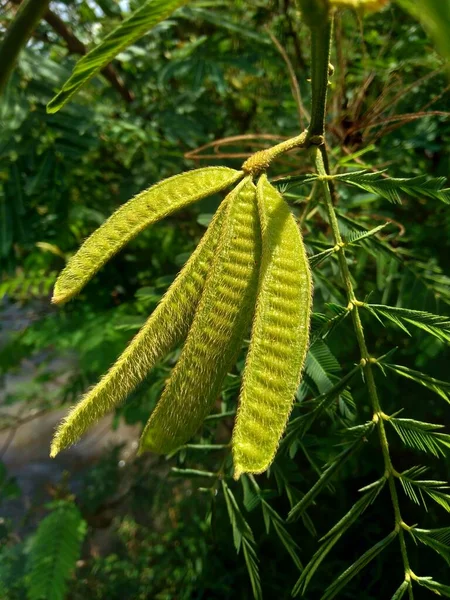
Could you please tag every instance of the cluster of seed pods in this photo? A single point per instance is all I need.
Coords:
(249, 270)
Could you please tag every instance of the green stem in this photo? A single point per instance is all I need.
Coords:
(320, 56)
(368, 362)
(22, 26)
(321, 42)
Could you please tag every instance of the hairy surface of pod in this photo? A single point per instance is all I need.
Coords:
(279, 338)
(144, 209)
(168, 324)
(220, 323)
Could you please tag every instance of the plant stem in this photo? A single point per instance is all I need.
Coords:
(321, 40)
(18, 33)
(320, 55)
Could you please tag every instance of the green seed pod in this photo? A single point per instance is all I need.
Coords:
(144, 209)
(221, 321)
(279, 338)
(168, 324)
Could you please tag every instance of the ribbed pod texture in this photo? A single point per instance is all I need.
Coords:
(279, 338)
(141, 211)
(221, 321)
(168, 324)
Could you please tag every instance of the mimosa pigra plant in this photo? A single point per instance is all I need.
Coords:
(250, 272)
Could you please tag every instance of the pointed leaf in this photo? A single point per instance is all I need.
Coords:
(437, 325)
(326, 476)
(422, 436)
(442, 388)
(330, 539)
(139, 23)
(362, 562)
(401, 591)
(390, 187)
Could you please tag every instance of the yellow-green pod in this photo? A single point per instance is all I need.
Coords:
(168, 324)
(279, 338)
(141, 211)
(220, 323)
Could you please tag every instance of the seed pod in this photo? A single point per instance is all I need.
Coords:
(221, 321)
(279, 338)
(144, 209)
(168, 324)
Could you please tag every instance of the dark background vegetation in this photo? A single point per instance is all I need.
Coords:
(210, 72)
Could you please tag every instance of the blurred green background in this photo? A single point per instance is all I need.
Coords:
(214, 70)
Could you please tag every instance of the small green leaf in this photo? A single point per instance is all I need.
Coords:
(436, 325)
(362, 562)
(401, 591)
(442, 388)
(390, 187)
(334, 535)
(438, 588)
(422, 436)
(437, 539)
(140, 22)
(243, 537)
(329, 472)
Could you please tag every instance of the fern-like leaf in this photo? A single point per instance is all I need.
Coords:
(330, 471)
(437, 539)
(419, 489)
(442, 388)
(55, 548)
(243, 537)
(398, 595)
(140, 22)
(438, 588)
(422, 436)
(436, 325)
(391, 187)
(334, 535)
(362, 562)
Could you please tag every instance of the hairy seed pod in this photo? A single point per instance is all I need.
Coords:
(168, 324)
(144, 209)
(220, 323)
(279, 338)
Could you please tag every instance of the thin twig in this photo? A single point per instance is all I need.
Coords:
(295, 88)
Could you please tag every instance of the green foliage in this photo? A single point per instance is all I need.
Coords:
(139, 23)
(208, 76)
(54, 551)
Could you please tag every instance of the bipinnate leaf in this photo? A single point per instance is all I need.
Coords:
(54, 551)
(219, 325)
(422, 436)
(279, 338)
(363, 432)
(437, 539)
(333, 536)
(141, 211)
(362, 562)
(438, 588)
(391, 187)
(168, 324)
(436, 325)
(140, 22)
(243, 538)
(401, 591)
